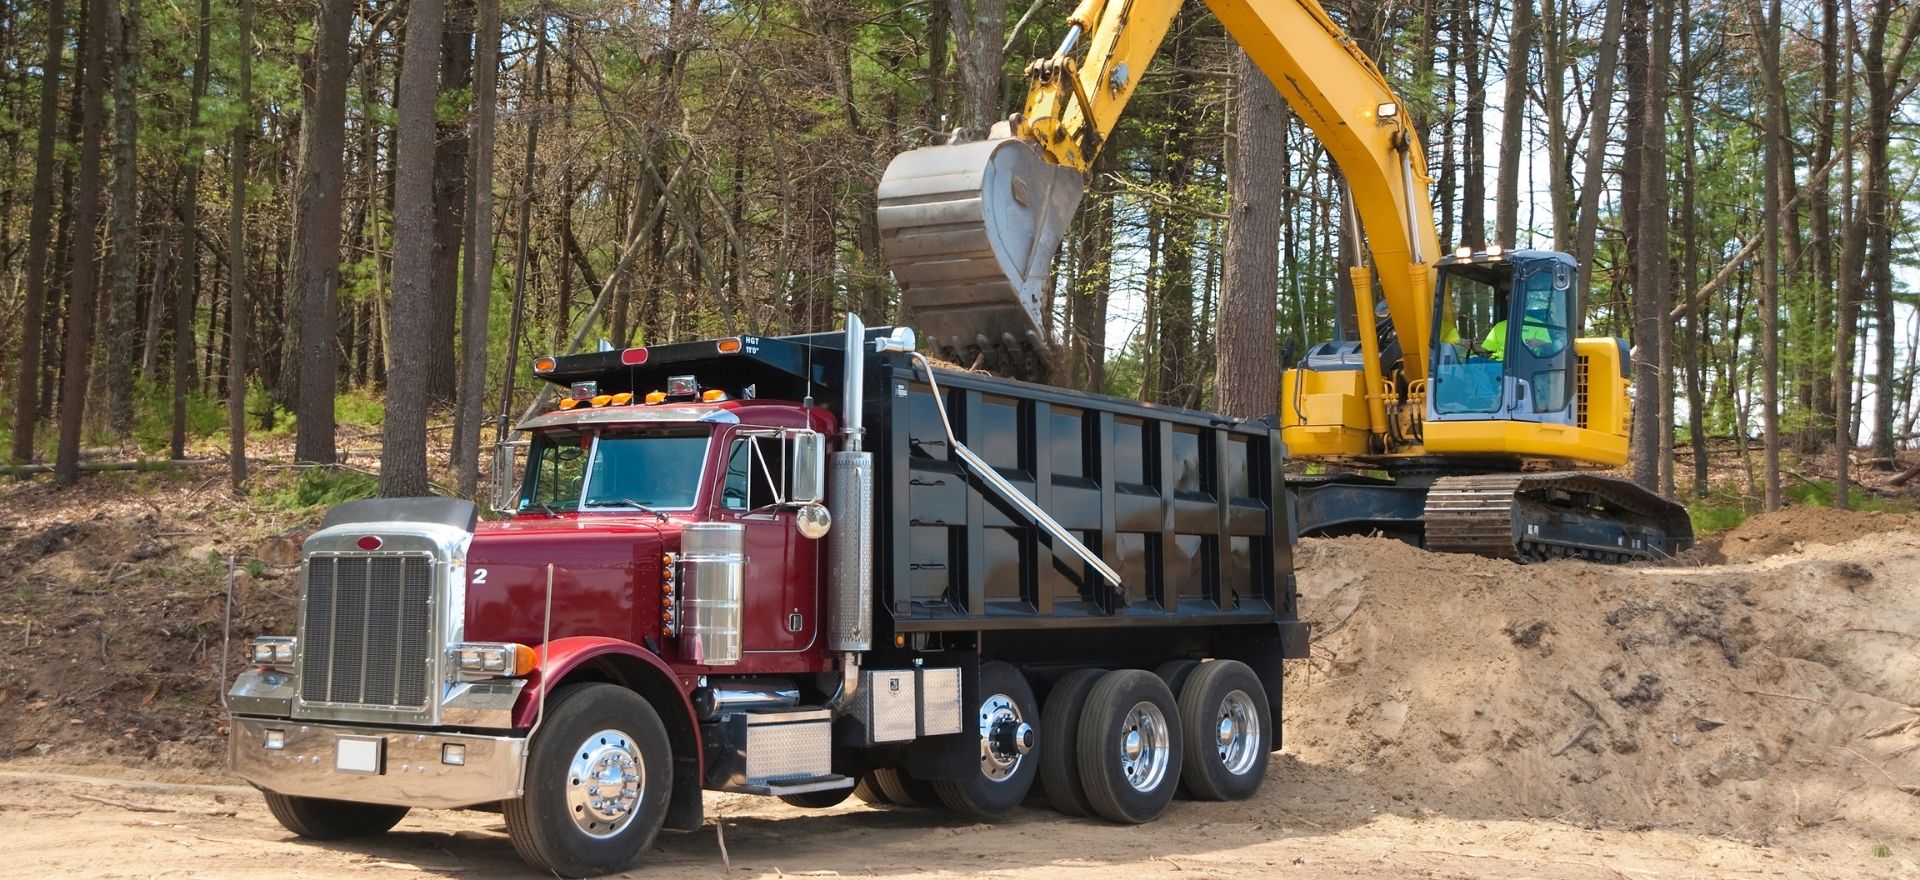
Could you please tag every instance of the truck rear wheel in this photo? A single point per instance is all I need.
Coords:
(903, 790)
(322, 819)
(1223, 708)
(869, 791)
(599, 774)
(1130, 746)
(1007, 765)
(1060, 724)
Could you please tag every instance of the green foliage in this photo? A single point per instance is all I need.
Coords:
(320, 488)
(359, 407)
(1710, 516)
(153, 416)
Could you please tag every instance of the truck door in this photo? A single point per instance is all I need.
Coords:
(781, 602)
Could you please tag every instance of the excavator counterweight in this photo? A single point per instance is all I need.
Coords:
(969, 231)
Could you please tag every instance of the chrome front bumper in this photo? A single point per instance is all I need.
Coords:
(408, 766)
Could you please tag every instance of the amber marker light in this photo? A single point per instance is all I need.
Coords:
(729, 345)
(656, 397)
(543, 365)
(622, 399)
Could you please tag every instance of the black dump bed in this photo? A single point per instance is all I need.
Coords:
(1187, 507)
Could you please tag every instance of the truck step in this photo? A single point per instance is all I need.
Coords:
(773, 788)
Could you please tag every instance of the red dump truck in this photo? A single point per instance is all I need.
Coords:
(804, 567)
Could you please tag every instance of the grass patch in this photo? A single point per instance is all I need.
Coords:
(153, 416)
(359, 407)
(321, 487)
(1709, 516)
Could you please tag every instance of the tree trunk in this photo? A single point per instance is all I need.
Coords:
(319, 197)
(83, 282)
(26, 404)
(978, 34)
(403, 455)
(123, 308)
(189, 283)
(1473, 156)
(479, 281)
(1650, 269)
(1512, 117)
(1766, 25)
(450, 204)
(1593, 178)
(240, 316)
(1245, 380)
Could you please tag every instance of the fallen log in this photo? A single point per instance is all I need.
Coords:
(89, 467)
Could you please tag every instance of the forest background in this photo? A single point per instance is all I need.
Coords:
(224, 218)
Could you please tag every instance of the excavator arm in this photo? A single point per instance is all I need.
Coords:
(971, 228)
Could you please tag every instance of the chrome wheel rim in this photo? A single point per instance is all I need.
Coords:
(1237, 733)
(604, 781)
(1005, 737)
(1145, 746)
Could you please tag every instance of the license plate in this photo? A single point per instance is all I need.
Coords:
(359, 754)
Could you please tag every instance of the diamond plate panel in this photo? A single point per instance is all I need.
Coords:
(789, 750)
(939, 701)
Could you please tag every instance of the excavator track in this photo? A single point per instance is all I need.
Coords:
(1564, 514)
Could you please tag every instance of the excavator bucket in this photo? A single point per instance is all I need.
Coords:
(969, 231)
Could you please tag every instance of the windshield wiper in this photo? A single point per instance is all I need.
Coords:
(546, 507)
(624, 502)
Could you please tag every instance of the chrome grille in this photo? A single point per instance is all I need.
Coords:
(368, 623)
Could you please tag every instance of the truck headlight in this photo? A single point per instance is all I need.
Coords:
(492, 659)
(273, 652)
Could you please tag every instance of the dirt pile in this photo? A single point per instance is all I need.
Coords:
(111, 615)
(1788, 530)
(1755, 700)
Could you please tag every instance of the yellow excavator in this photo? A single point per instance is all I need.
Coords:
(1457, 419)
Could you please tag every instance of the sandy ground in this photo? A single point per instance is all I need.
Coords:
(1310, 823)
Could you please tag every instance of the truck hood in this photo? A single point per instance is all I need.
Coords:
(606, 577)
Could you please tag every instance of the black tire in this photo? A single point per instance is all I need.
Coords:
(903, 790)
(1060, 724)
(1130, 705)
(591, 727)
(1175, 672)
(1225, 695)
(817, 800)
(321, 819)
(867, 789)
(1006, 757)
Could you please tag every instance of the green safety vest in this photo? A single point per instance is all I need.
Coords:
(1534, 336)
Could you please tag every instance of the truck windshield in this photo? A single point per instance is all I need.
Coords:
(656, 470)
(659, 471)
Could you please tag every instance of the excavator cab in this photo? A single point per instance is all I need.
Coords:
(1507, 376)
(1502, 347)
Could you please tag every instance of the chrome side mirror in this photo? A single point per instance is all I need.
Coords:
(809, 468)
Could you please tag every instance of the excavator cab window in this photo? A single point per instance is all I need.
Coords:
(1501, 344)
(1469, 340)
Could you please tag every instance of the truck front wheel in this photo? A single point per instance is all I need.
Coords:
(321, 819)
(599, 774)
(1006, 765)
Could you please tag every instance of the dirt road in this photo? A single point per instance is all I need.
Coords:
(1310, 823)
